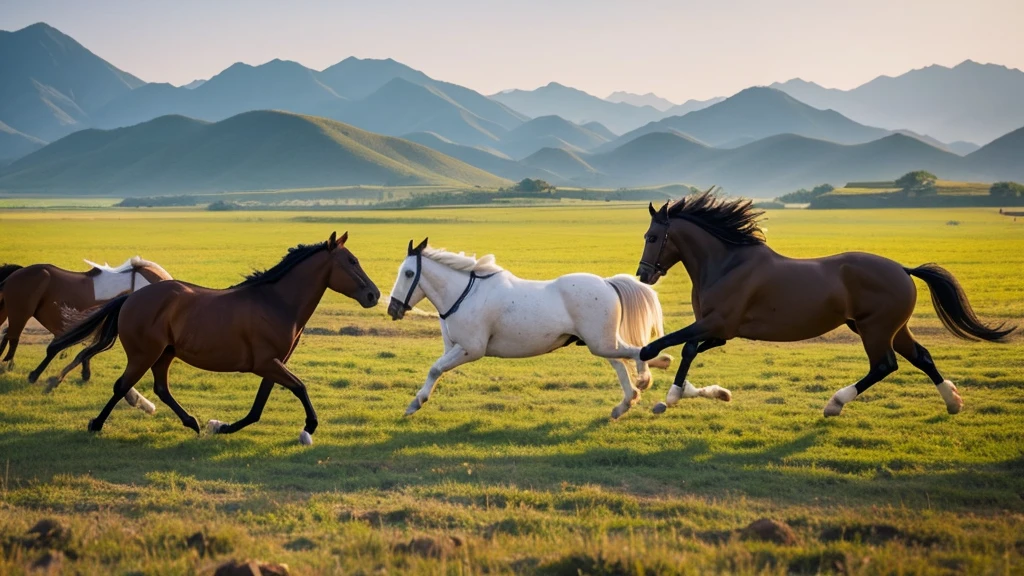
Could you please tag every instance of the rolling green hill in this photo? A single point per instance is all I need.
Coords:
(549, 132)
(564, 163)
(1002, 157)
(252, 151)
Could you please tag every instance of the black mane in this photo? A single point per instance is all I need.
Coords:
(731, 221)
(293, 258)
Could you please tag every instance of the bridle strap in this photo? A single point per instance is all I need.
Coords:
(415, 281)
(472, 280)
(657, 259)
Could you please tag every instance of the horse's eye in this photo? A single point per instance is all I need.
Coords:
(352, 260)
(651, 239)
(409, 274)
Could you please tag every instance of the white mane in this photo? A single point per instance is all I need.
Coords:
(129, 265)
(462, 262)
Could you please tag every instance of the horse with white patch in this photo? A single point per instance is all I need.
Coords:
(53, 295)
(485, 310)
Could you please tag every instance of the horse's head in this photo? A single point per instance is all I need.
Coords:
(347, 276)
(659, 253)
(407, 291)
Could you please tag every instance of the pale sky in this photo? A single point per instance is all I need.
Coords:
(679, 49)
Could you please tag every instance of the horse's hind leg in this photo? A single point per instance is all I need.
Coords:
(138, 363)
(163, 389)
(218, 427)
(276, 371)
(878, 345)
(630, 395)
(918, 355)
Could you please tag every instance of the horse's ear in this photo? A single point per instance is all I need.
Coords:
(422, 245)
(664, 211)
(411, 249)
(650, 206)
(343, 239)
(332, 242)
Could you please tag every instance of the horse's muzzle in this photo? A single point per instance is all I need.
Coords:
(648, 274)
(371, 298)
(396, 309)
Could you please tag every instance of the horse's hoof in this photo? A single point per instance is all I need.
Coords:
(51, 384)
(950, 394)
(643, 383)
(618, 411)
(193, 425)
(146, 406)
(659, 408)
(33, 376)
(95, 426)
(413, 406)
(214, 426)
(305, 438)
(833, 408)
(721, 393)
(661, 362)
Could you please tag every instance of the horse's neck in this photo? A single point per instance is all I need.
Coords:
(702, 254)
(442, 285)
(302, 288)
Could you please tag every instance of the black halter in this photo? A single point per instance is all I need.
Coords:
(657, 259)
(455, 307)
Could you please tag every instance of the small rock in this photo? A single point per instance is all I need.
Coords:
(767, 530)
(251, 568)
(299, 544)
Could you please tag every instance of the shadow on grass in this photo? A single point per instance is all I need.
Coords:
(691, 467)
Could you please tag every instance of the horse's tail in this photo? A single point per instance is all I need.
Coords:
(641, 315)
(952, 307)
(101, 325)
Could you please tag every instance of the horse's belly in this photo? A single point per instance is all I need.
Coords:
(524, 345)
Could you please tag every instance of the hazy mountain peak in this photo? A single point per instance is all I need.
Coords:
(649, 99)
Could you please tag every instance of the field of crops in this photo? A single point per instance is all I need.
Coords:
(515, 466)
(942, 187)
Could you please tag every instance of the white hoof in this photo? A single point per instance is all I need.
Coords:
(214, 426)
(661, 362)
(949, 393)
(660, 408)
(719, 393)
(675, 392)
(413, 406)
(305, 439)
(146, 406)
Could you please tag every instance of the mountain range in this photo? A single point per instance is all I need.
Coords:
(969, 102)
(51, 86)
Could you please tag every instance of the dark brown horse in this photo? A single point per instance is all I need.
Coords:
(47, 293)
(252, 327)
(743, 289)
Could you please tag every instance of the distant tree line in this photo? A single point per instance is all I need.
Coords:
(158, 202)
(804, 196)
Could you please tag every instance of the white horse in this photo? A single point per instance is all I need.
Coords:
(485, 310)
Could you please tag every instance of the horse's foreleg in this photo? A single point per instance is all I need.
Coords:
(454, 357)
(682, 388)
(699, 331)
(280, 373)
(883, 363)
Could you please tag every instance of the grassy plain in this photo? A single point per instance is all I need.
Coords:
(518, 459)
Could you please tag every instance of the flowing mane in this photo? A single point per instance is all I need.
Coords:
(731, 221)
(462, 262)
(293, 258)
(130, 264)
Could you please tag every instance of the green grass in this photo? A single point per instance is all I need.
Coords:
(518, 457)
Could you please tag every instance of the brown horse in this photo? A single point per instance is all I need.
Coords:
(252, 327)
(46, 293)
(743, 289)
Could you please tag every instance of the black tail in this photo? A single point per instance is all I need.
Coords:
(952, 307)
(102, 323)
(5, 271)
